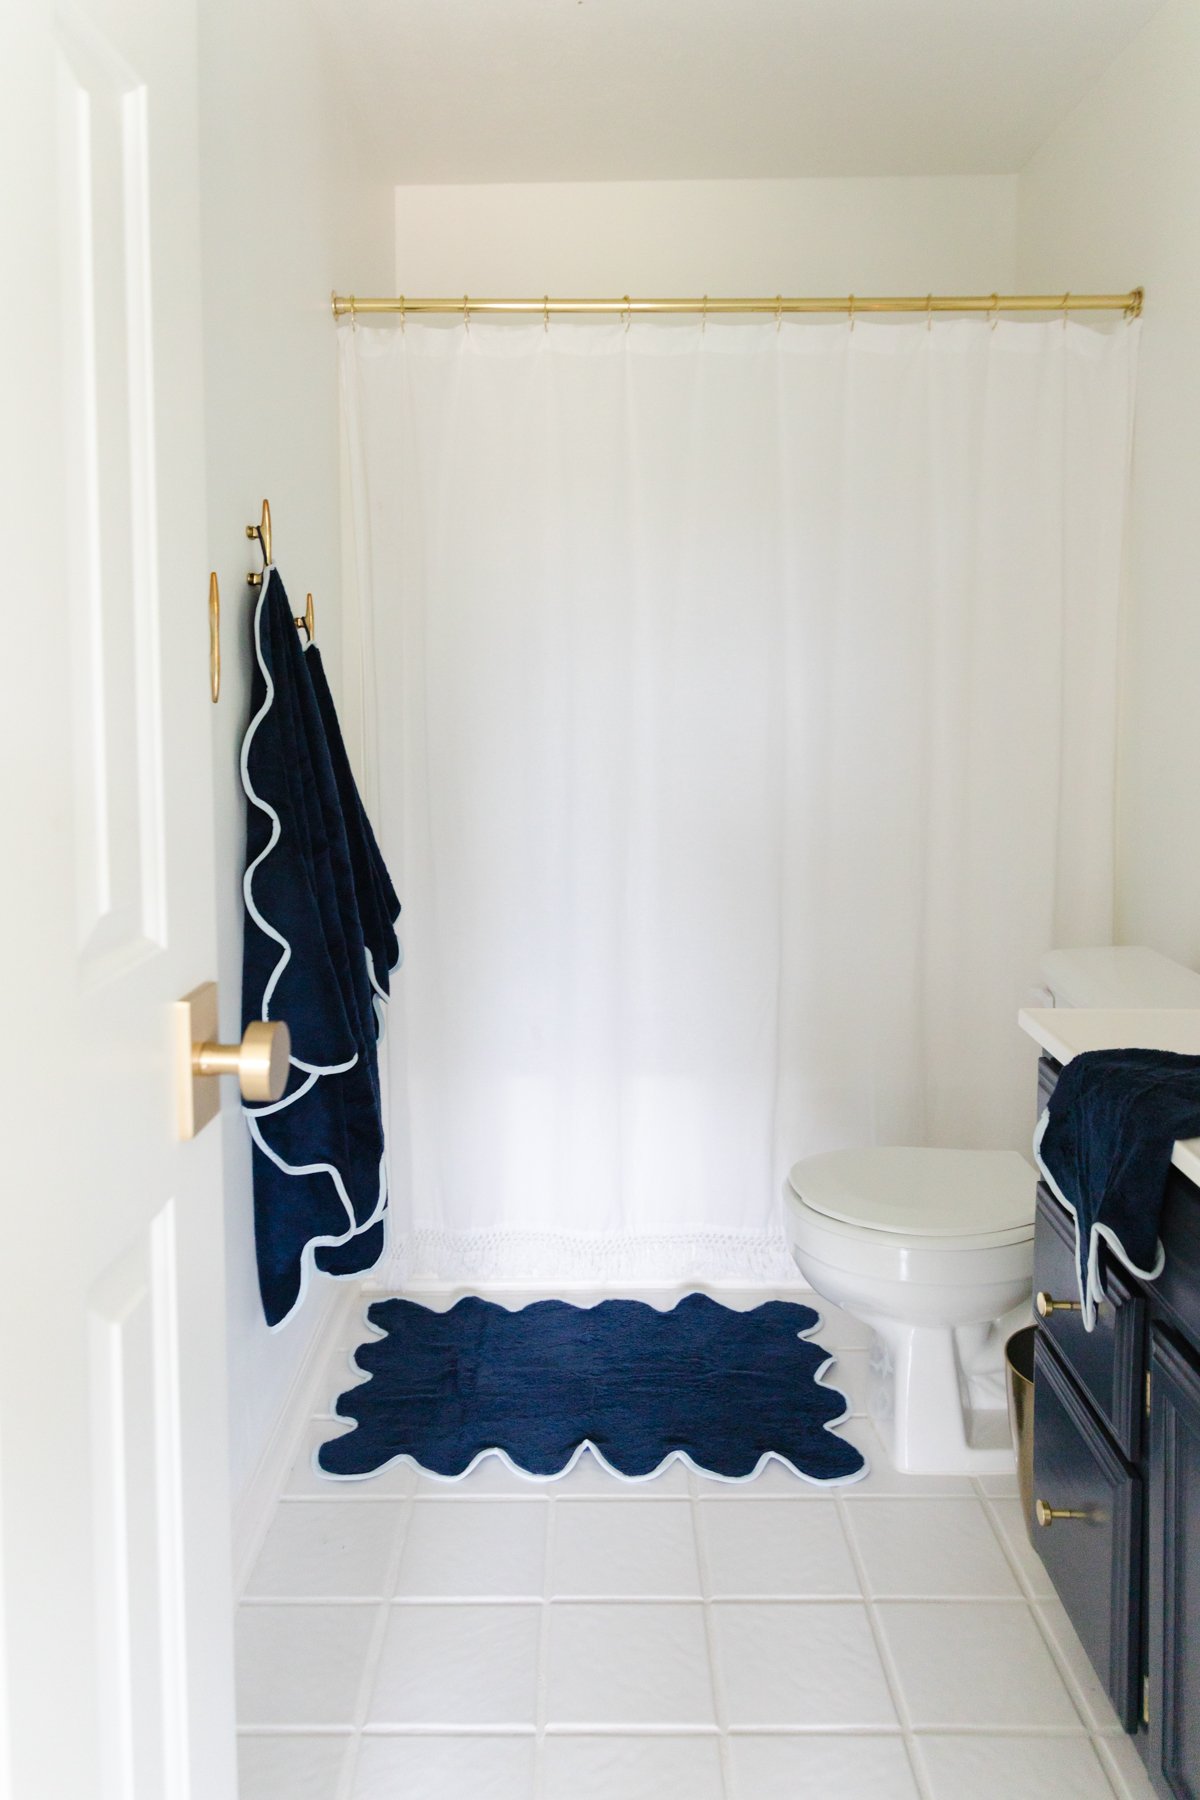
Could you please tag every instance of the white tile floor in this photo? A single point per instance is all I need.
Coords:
(498, 1640)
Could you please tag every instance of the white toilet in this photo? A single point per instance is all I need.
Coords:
(933, 1249)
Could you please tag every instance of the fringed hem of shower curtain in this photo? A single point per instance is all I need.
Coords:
(521, 1256)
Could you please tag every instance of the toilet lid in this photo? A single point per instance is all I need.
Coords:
(921, 1193)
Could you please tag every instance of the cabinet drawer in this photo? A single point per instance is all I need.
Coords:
(1094, 1562)
(1108, 1363)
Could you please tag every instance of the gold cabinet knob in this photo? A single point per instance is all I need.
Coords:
(1046, 1515)
(260, 1061)
(1045, 1305)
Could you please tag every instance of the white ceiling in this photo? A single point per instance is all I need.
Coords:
(608, 90)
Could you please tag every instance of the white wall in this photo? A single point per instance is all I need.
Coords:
(901, 235)
(1111, 200)
(289, 213)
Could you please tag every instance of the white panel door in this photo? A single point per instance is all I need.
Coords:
(115, 1660)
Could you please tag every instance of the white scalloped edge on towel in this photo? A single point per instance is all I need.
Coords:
(1091, 1292)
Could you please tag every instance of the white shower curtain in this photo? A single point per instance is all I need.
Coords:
(740, 708)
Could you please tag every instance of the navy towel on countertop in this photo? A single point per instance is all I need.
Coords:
(727, 1391)
(317, 953)
(1104, 1144)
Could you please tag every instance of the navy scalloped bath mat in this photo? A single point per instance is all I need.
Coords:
(725, 1391)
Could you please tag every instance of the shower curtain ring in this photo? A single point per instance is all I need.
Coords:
(627, 314)
(1065, 308)
(992, 311)
(402, 314)
(704, 316)
(852, 312)
(778, 311)
(929, 312)
(466, 313)
(546, 313)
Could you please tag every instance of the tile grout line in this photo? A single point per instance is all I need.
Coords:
(1010, 1555)
(374, 1655)
(719, 1602)
(720, 1708)
(1114, 1775)
(891, 1673)
(542, 1678)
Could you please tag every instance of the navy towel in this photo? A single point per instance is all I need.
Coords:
(319, 947)
(1104, 1144)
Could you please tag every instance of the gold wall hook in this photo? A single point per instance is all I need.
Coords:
(261, 531)
(306, 621)
(214, 637)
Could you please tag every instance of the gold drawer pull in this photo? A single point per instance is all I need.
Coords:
(1046, 1515)
(1045, 1305)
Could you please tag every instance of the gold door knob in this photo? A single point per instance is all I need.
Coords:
(260, 1062)
(1045, 1305)
(1046, 1515)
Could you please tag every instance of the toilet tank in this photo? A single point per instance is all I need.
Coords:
(1119, 975)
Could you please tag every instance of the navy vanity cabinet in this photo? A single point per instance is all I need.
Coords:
(1173, 1612)
(1117, 1440)
(1092, 1544)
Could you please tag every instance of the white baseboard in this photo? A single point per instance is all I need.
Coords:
(307, 1394)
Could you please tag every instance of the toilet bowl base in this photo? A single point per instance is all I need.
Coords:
(936, 1396)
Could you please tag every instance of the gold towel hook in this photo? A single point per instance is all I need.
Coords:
(306, 621)
(261, 531)
(214, 637)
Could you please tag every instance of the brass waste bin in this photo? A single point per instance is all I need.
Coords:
(1018, 1370)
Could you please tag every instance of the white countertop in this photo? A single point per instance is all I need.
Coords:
(1065, 1031)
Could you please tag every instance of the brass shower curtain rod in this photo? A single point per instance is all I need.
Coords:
(775, 304)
